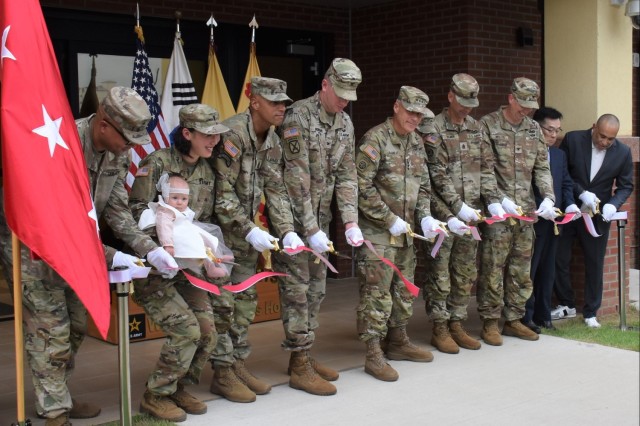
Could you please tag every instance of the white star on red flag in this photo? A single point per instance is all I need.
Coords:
(51, 130)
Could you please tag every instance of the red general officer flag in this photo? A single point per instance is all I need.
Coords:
(46, 186)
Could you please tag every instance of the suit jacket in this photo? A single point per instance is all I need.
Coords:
(617, 168)
(562, 182)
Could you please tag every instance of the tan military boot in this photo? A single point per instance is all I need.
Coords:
(61, 420)
(304, 377)
(441, 339)
(519, 330)
(225, 383)
(400, 347)
(189, 403)
(327, 373)
(256, 385)
(460, 336)
(162, 407)
(490, 333)
(375, 363)
(83, 410)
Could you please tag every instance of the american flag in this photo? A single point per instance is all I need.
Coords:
(142, 82)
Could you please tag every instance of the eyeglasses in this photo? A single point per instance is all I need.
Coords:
(553, 130)
(127, 142)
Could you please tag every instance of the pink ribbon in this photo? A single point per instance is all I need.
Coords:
(202, 284)
(494, 219)
(324, 260)
(568, 217)
(411, 287)
(252, 280)
(436, 246)
(588, 223)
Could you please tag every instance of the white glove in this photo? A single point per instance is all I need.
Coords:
(429, 227)
(574, 209)
(124, 259)
(319, 242)
(590, 200)
(608, 210)
(354, 236)
(260, 240)
(467, 214)
(496, 210)
(546, 210)
(509, 206)
(163, 262)
(457, 226)
(292, 240)
(399, 227)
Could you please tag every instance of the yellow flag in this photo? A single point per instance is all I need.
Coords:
(253, 70)
(215, 92)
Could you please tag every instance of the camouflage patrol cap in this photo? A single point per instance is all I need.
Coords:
(466, 89)
(413, 99)
(202, 118)
(526, 92)
(128, 113)
(271, 89)
(344, 76)
(426, 125)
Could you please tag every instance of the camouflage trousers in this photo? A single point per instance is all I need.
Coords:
(234, 312)
(55, 322)
(449, 278)
(301, 294)
(504, 284)
(185, 315)
(385, 302)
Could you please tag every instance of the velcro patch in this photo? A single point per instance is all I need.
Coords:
(371, 152)
(142, 171)
(230, 148)
(291, 132)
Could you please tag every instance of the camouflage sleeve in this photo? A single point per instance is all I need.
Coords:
(488, 185)
(346, 188)
(144, 189)
(423, 206)
(370, 204)
(541, 172)
(231, 214)
(487, 146)
(437, 159)
(297, 176)
(119, 217)
(278, 204)
(439, 209)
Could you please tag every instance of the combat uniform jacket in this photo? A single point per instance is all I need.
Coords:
(393, 180)
(520, 156)
(107, 174)
(318, 154)
(200, 178)
(245, 170)
(461, 164)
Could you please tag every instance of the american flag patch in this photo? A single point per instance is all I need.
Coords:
(142, 171)
(371, 152)
(230, 148)
(290, 132)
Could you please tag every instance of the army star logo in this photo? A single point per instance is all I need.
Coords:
(134, 325)
(294, 146)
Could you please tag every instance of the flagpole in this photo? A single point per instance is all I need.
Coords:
(17, 317)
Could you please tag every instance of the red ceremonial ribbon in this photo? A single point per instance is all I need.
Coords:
(411, 287)
(436, 246)
(324, 260)
(237, 288)
(568, 217)
(202, 284)
(494, 219)
(588, 223)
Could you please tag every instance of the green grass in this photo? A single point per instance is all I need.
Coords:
(608, 335)
(143, 420)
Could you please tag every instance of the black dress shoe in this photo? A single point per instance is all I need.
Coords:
(546, 324)
(531, 326)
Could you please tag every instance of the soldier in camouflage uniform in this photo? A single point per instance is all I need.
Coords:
(55, 320)
(183, 312)
(520, 156)
(248, 165)
(394, 194)
(461, 171)
(318, 142)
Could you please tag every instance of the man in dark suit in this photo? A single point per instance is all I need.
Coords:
(538, 307)
(596, 161)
